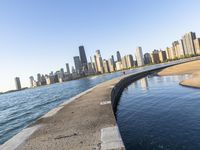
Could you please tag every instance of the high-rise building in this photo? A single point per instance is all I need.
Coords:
(83, 58)
(43, 80)
(17, 83)
(181, 48)
(129, 61)
(119, 66)
(92, 65)
(111, 65)
(113, 61)
(67, 68)
(197, 45)
(162, 56)
(61, 75)
(31, 81)
(155, 57)
(188, 43)
(175, 49)
(139, 56)
(95, 64)
(118, 56)
(49, 79)
(73, 70)
(77, 64)
(90, 69)
(106, 66)
(147, 58)
(124, 63)
(170, 53)
(39, 79)
(99, 62)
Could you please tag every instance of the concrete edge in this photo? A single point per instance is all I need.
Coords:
(20, 138)
(111, 138)
(59, 107)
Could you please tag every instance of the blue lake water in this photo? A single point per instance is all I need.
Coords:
(156, 113)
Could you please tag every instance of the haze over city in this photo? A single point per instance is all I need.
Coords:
(40, 37)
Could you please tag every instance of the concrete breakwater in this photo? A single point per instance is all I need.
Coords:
(86, 121)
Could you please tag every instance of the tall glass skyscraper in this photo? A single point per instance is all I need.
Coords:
(83, 58)
(77, 64)
(119, 56)
(139, 56)
(17, 83)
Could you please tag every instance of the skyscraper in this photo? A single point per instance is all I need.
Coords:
(93, 64)
(181, 48)
(188, 43)
(67, 68)
(124, 63)
(61, 75)
(83, 58)
(170, 53)
(39, 79)
(99, 62)
(118, 56)
(111, 66)
(197, 45)
(106, 66)
(139, 56)
(17, 83)
(129, 61)
(113, 61)
(119, 65)
(162, 56)
(155, 57)
(31, 81)
(147, 58)
(77, 64)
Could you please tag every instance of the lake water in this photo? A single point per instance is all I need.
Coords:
(156, 113)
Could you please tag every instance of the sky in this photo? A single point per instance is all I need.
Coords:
(40, 36)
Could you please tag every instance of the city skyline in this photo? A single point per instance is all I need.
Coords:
(187, 46)
(178, 49)
(25, 53)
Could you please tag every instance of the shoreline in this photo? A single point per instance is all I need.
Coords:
(192, 68)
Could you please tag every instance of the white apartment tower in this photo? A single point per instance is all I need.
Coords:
(139, 56)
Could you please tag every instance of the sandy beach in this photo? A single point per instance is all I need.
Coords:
(186, 68)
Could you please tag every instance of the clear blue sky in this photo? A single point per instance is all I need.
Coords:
(39, 36)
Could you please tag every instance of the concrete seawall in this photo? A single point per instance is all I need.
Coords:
(86, 121)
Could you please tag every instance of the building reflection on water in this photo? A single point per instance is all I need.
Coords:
(144, 83)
